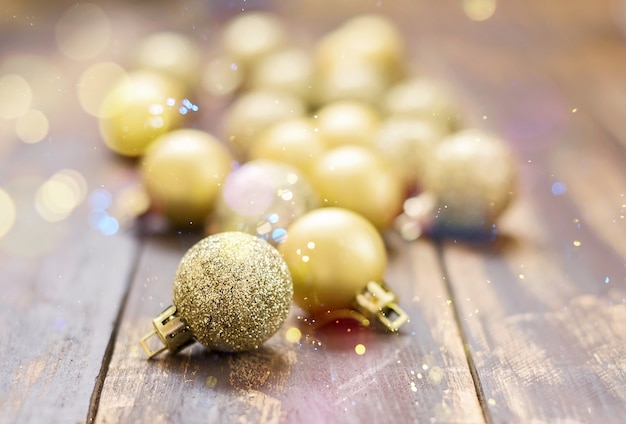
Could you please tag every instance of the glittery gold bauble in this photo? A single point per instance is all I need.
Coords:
(355, 178)
(347, 123)
(426, 99)
(251, 36)
(183, 172)
(296, 142)
(472, 177)
(255, 111)
(332, 254)
(262, 198)
(233, 290)
(407, 144)
(139, 109)
(289, 71)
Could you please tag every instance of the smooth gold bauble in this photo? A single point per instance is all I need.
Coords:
(289, 71)
(424, 98)
(172, 53)
(138, 109)
(233, 290)
(355, 178)
(255, 111)
(183, 172)
(351, 80)
(472, 178)
(296, 142)
(222, 76)
(332, 254)
(372, 39)
(347, 123)
(253, 35)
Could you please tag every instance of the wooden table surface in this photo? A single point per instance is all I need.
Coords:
(529, 328)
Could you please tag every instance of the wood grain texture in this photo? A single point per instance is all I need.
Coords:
(417, 375)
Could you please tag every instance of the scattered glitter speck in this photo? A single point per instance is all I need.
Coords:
(413, 387)
(211, 381)
(577, 243)
(491, 402)
(359, 349)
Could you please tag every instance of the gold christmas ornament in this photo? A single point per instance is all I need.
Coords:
(138, 109)
(424, 98)
(253, 35)
(171, 53)
(232, 292)
(183, 172)
(289, 71)
(469, 182)
(355, 178)
(347, 123)
(407, 145)
(351, 80)
(337, 261)
(255, 111)
(296, 142)
(262, 198)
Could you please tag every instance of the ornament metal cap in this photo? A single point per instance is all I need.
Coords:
(379, 301)
(172, 330)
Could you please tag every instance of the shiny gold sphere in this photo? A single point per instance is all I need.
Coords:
(351, 80)
(426, 99)
(332, 253)
(233, 290)
(139, 109)
(295, 142)
(183, 172)
(289, 71)
(172, 53)
(255, 111)
(472, 177)
(253, 35)
(355, 178)
(372, 39)
(347, 123)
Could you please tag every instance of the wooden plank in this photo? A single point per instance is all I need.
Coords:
(544, 309)
(418, 375)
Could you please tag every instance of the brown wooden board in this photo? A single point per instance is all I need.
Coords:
(417, 375)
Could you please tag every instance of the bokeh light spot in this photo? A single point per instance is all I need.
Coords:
(7, 213)
(359, 349)
(293, 335)
(32, 127)
(83, 31)
(15, 96)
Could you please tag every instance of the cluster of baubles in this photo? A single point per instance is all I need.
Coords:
(320, 149)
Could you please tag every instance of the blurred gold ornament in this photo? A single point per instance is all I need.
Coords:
(351, 80)
(183, 172)
(424, 98)
(337, 261)
(296, 142)
(253, 112)
(347, 123)
(262, 198)
(355, 178)
(472, 178)
(232, 292)
(139, 109)
(253, 35)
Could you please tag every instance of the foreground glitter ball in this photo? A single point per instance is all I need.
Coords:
(337, 260)
(262, 198)
(232, 292)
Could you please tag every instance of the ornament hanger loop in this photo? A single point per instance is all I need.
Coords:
(173, 332)
(376, 299)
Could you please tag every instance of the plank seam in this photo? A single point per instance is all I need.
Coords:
(94, 401)
(478, 387)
